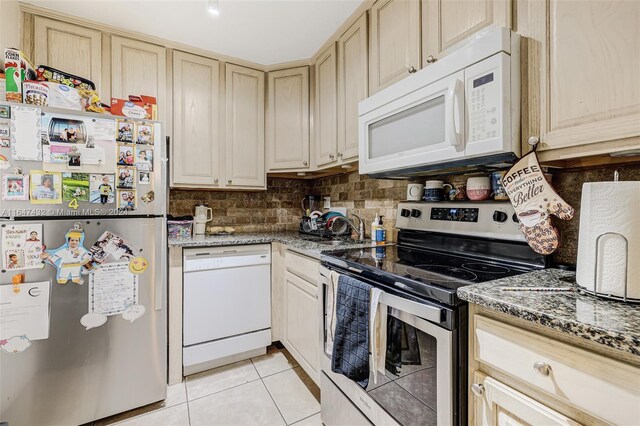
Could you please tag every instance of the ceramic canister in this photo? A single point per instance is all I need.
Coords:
(478, 188)
(499, 193)
(415, 191)
(434, 190)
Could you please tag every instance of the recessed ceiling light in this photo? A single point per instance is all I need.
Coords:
(213, 6)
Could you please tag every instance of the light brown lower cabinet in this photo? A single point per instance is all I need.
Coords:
(301, 313)
(521, 375)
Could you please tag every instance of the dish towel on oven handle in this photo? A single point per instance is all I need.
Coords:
(357, 330)
(378, 317)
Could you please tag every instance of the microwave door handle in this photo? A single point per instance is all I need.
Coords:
(452, 120)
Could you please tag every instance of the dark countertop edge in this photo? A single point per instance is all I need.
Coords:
(591, 333)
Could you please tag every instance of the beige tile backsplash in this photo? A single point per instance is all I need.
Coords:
(279, 208)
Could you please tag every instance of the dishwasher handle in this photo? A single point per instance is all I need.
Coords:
(222, 260)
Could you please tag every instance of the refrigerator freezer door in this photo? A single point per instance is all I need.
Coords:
(156, 182)
(77, 375)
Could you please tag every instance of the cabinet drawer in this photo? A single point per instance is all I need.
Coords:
(605, 388)
(303, 266)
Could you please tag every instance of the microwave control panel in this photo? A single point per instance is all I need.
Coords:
(484, 106)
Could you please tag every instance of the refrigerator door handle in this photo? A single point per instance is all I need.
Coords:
(160, 283)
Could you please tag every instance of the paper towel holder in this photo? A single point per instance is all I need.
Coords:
(626, 271)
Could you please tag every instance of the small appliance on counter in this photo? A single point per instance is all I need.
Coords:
(203, 214)
(609, 240)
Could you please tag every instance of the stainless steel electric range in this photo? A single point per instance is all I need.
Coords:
(441, 247)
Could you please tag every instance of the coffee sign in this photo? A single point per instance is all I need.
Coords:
(534, 201)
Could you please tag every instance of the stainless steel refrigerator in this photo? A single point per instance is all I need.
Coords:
(77, 375)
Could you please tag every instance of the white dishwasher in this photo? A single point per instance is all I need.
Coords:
(226, 305)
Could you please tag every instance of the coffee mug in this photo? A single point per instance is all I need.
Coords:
(459, 191)
(415, 191)
(499, 193)
(434, 190)
(478, 188)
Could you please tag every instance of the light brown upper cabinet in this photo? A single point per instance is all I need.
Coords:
(446, 23)
(139, 68)
(352, 86)
(288, 119)
(68, 47)
(394, 42)
(582, 95)
(244, 128)
(196, 144)
(326, 102)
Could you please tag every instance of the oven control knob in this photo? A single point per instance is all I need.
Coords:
(405, 213)
(499, 216)
(515, 218)
(415, 213)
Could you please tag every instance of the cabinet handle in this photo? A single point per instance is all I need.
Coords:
(331, 156)
(229, 180)
(305, 163)
(431, 59)
(340, 154)
(542, 368)
(477, 389)
(412, 69)
(215, 181)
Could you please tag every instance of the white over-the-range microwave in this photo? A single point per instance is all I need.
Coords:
(461, 111)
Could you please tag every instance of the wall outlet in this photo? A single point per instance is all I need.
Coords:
(327, 202)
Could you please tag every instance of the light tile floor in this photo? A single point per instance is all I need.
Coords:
(268, 390)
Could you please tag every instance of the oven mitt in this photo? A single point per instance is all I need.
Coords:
(534, 201)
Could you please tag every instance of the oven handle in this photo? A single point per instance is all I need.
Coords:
(423, 310)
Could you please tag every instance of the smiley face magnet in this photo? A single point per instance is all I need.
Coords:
(138, 265)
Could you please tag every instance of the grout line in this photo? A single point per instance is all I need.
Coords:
(223, 390)
(274, 401)
(298, 421)
(188, 413)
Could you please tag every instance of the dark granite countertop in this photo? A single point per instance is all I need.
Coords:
(606, 322)
(292, 239)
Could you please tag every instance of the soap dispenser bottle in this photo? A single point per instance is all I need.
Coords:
(374, 228)
(381, 233)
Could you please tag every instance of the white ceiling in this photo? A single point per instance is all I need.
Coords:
(262, 31)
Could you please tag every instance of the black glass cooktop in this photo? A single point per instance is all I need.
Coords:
(422, 272)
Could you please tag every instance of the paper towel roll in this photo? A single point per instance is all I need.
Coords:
(613, 209)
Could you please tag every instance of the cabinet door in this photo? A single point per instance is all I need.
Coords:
(139, 68)
(445, 23)
(583, 94)
(301, 323)
(245, 127)
(352, 86)
(288, 119)
(499, 405)
(70, 48)
(394, 41)
(326, 111)
(196, 121)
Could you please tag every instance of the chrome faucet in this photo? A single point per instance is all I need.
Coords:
(360, 229)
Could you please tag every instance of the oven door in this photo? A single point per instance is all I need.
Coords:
(418, 381)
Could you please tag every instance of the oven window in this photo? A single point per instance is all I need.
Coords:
(409, 389)
(417, 127)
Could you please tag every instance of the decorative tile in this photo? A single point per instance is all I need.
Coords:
(249, 404)
(219, 379)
